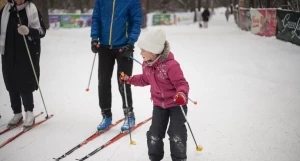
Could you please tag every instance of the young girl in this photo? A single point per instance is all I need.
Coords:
(169, 90)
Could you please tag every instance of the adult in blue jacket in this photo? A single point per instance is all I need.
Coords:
(116, 24)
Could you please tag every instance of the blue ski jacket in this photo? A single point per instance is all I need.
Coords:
(116, 23)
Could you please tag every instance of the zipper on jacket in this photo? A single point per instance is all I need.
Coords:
(163, 103)
(111, 23)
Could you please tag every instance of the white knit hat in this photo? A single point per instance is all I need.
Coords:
(153, 41)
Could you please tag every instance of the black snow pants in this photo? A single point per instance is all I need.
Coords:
(16, 100)
(177, 133)
(107, 58)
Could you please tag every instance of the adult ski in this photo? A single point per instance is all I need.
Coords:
(114, 139)
(24, 131)
(92, 137)
(17, 125)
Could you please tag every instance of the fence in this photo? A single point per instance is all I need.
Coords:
(84, 20)
(283, 24)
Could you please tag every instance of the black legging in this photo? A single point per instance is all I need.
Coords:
(176, 131)
(16, 99)
(107, 58)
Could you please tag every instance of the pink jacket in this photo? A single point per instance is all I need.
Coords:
(165, 77)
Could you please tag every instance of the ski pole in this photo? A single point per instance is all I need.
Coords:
(135, 60)
(198, 147)
(30, 59)
(195, 102)
(88, 88)
(121, 50)
(126, 103)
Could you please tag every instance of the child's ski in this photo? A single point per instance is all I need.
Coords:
(114, 139)
(92, 137)
(24, 131)
(20, 123)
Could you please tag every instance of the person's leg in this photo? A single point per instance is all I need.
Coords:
(15, 100)
(27, 99)
(177, 133)
(125, 65)
(205, 24)
(105, 70)
(156, 133)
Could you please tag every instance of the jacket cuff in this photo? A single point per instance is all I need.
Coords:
(130, 41)
(95, 38)
(129, 80)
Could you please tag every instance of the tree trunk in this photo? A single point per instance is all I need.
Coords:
(80, 5)
(193, 5)
(285, 3)
(145, 11)
(42, 6)
(251, 4)
(268, 3)
(163, 5)
(199, 5)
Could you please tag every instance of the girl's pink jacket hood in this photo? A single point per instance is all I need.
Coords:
(165, 77)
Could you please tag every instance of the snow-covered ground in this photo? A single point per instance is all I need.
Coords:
(247, 88)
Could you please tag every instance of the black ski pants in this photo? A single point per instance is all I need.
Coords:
(16, 99)
(177, 133)
(107, 58)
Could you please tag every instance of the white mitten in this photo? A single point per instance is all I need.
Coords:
(23, 30)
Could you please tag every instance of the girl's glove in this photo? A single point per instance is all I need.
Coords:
(124, 78)
(180, 99)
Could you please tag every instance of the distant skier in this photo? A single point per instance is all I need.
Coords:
(17, 71)
(227, 13)
(205, 17)
(169, 91)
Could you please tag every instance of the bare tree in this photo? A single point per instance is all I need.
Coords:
(199, 5)
(42, 6)
(80, 5)
(193, 5)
